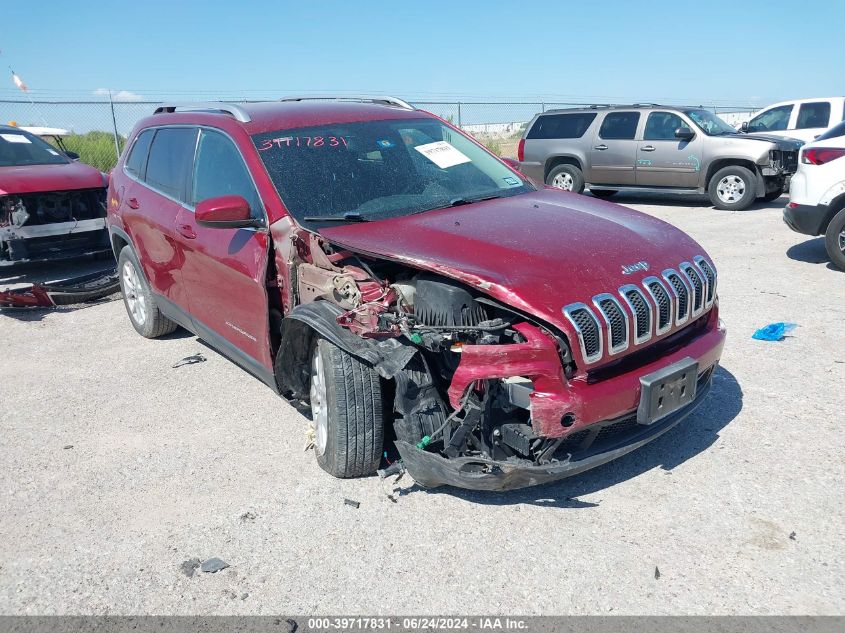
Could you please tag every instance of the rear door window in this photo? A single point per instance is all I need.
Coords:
(220, 171)
(619, 126)
(812, 115)
(561, 125)
(774, 120)
(171, 158)
(137, 160)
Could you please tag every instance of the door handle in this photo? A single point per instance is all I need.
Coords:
(133, 203)
(648, 148)
(186, 231)
(601, 147)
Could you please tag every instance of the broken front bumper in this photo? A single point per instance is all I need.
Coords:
(68, 292)
(431, 470)
(51, 242)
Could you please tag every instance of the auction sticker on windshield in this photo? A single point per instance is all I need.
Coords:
(442, 154)
(15, 138)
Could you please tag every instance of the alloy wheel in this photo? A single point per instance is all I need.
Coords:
(730, 189)
(319, 410)
(135, 300)
(563, 181)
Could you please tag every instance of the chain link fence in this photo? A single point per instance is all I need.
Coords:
(98, 129)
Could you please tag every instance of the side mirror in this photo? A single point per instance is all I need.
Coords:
(72, 155)
(225, 212)
(684, 133)
(744, 126)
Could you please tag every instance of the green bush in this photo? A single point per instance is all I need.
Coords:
(94, 148)
(493, 145)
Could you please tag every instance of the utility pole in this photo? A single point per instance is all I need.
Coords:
(114, 124)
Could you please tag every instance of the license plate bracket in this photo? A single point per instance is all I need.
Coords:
(665, 391)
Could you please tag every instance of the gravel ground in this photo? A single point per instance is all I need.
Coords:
(116, 468)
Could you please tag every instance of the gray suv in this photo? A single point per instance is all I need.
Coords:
(650, 148)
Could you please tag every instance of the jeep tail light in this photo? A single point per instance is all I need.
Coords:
(821, 155)
(520, 150)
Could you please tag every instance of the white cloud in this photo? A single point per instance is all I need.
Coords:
(118, 95)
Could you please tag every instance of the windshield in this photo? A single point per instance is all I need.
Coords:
(374, 170)
(19, 148)
(709, 123)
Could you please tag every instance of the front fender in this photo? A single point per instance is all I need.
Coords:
(319, 319)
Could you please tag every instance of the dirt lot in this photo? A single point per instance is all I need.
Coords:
(116, 468)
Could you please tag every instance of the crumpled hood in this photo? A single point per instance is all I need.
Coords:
(537, 251)
(60, 177)
(783, 143)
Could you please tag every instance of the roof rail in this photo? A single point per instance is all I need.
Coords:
(384, 100)
(581, 107)
(236, 111)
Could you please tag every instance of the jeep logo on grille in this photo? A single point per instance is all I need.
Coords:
(630, 269)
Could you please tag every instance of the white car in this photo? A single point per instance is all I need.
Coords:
(803, 119)
(817, 192)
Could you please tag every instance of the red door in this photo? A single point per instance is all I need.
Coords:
(224, 270)
(151, 209)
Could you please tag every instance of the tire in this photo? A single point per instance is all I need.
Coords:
(834, 240)
(772, 195)
(140, 303)
(603, 193)
(732, 188)
(567, 177)
(347, 410)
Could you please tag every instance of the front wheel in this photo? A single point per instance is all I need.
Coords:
(732, 188)
(566, 177)
(347, 412)
(834, 240)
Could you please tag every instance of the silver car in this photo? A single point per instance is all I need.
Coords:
(652, 148)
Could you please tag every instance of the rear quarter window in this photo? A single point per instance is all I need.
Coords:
(170, 161)
(137, 160)
(561, 125)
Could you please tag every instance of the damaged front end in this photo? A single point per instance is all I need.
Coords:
(486, 396)
(52, 225)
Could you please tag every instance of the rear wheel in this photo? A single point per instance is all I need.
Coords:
(140, 303)
(347, 412)
(566, 177)
(834, 240)
(732, 188)
(603, 193)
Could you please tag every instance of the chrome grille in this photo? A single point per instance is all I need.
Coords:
(697, 284)
(616, 321)
(710, 277)
(650, 308)
(587, 327)
(663, 300)
(641, 310)
(681, 291)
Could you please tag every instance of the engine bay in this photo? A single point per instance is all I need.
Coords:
(438, 408)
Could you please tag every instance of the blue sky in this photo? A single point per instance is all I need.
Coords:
(703, 52)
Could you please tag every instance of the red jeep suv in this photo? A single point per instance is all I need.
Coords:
(374, 261)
